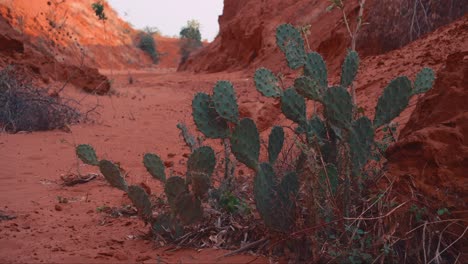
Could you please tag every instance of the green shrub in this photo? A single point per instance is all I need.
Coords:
(190, 39)
(148, 45)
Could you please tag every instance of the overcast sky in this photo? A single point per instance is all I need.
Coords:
(171, 15)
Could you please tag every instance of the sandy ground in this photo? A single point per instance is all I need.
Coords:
(139, 118)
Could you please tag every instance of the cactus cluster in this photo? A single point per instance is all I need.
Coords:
(274, 197)
(185, 202)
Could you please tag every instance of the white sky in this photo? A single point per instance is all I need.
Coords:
(169, 16)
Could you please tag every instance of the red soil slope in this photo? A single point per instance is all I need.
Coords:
(247, 30)
(78, 31)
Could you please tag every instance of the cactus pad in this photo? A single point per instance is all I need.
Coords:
(424, 81)
(141, 201)
(393, 101)
(267, 83)
(200, 167)
(225, 102)
(338, 106)
(245, 143)
(207, 119)
(290, 41)
(188, 208)
(294, 107)
(275, 143)
(87, 154)
(349, 69)
(316, 69)
(174, 187)
(309, 88)
(112, 174)
(154, 166)
(361, 139)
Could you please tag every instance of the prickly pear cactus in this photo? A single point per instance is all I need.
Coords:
(275, 202)
(361, 139)
(267, 83)
(349, 69)
(200, 167)
(290, 41)
(338, 107)
(294, 107)
(275, 143)
(393, 101)
(154, 166)
(175, 186)
(225, 102)
(207, 119)
(188, 208)
(112, 174)
(424, 81)
(309, 88)
(316, 69)
(87, 154)
(245, 143)
(141, 201)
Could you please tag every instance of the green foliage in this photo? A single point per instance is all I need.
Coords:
(148, 45)
(349, 69)
(290, 41)
(200, 167)
(309, 88)
(424, 81)
(225, 103)
(338, 107)
(112, 174)
(316, 69)
(267, 83)
(87, 154)
(294, 107)
(275, 143)
(154, 166)
(361, 140)
(207, 119)
(98, 8)
(140, 199)
(190, 39)
(393, 101)
(245, 142)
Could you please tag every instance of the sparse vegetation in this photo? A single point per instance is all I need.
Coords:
(24, 107)
(148, 45)
(190, 39)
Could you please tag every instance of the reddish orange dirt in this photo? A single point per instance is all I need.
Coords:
(141, 117)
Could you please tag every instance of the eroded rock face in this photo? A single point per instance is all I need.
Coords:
(433, 146)
(247, 30)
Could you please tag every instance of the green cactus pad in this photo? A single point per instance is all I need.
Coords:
(174, 187)
(275, 143)
(289, 186)
(202, 160)
(225, 101)
(329, 176)
(294, 107)
(112, 174)
(87, 154)
(267, 83)
(349, 69)
(207, 119)
(141, 201)
(245, 143)
(154, 166)
(316, 69)
(424, 81)
(309, 88)
(274, 203)
(200, 167)
(393, 101)
(188, 208)
(290, 41)
(338, 107)
(361, 139)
